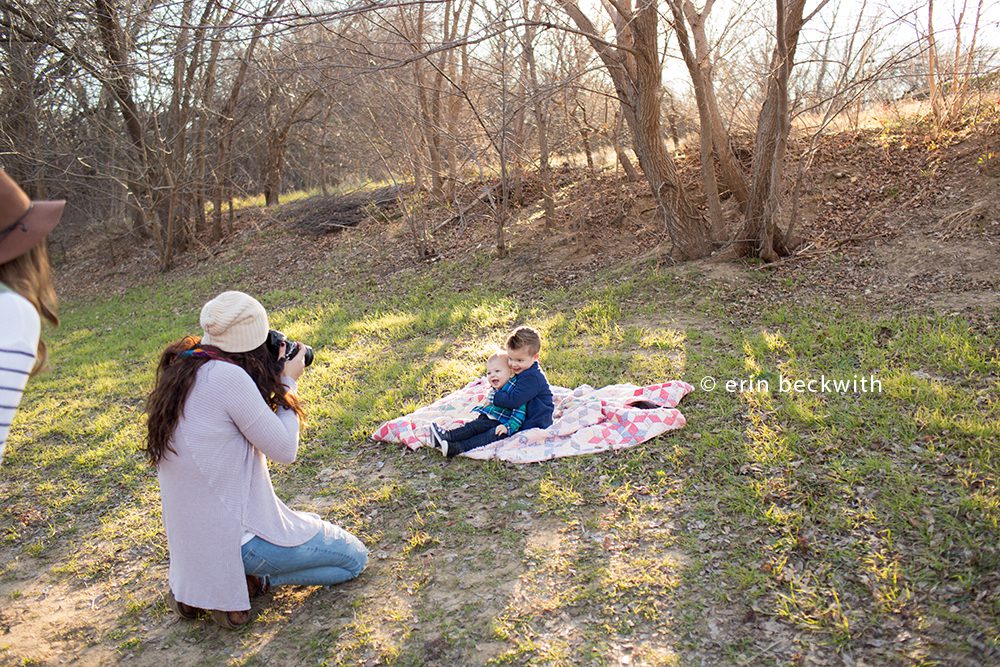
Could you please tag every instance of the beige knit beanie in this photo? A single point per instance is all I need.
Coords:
(234, 322)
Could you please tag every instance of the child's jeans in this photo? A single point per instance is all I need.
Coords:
(477, 433)
(331, 557)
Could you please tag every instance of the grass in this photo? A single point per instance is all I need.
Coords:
(777, 524)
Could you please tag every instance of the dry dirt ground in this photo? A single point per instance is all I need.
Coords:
(891, 227)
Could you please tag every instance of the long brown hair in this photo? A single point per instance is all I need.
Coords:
(30, 275)
(176, 375)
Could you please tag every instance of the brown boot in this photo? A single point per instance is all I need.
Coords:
(181, 609)
(257, 586)
(230, 620)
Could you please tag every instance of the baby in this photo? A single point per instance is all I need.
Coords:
(493, 423)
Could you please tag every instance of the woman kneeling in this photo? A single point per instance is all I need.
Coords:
(221, 404)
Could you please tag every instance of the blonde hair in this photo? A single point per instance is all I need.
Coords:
(30, 275)
(497, 354)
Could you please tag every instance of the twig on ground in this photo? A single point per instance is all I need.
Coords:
(953, 223)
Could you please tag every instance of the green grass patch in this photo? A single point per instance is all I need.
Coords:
(844, 518)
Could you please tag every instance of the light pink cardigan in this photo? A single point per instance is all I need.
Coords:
(217, 486)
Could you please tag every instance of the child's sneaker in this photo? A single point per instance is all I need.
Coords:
(437, 436)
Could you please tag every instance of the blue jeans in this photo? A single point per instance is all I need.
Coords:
(331, 557)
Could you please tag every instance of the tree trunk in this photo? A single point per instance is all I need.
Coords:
(271, 192)
(672, 114)
(539, 108)
(686, 226)
(274, 166)
(417, 159)
(636, 76)
(448, 30)
(455, 115)
(760, 235)
(584, 130)
(544, 170)
(429, 102)
(280, 122)
(937, 104)
(227, 123)
(201, 187)
(732, 173)
(630, 173)
(168, 217)
(695, 70)
(109, 31)
(175, 229)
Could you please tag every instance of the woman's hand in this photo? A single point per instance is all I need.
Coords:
(296, 365)
(501, 430)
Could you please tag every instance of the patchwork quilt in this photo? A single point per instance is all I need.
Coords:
(585, 421)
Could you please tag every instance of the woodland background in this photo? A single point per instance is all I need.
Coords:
(152, 117)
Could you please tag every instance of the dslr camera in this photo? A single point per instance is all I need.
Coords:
(276, 338)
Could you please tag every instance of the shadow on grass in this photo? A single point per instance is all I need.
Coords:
(82, 504)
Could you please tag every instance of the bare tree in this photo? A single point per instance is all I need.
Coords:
(633, 63)
(145, 182)
(19, 119)
(153, 110)
(284, 86)
(760, 235)
(948, 97)
(697, 68)
(540, 108)
(227, 122)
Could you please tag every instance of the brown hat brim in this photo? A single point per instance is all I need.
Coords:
(30, 231)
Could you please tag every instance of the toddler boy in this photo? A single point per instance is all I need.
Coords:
(493, 422)
(528, 390)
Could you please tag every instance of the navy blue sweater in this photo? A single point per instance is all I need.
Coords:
(532, 391)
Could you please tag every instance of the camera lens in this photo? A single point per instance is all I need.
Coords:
(276, 338)
(292, 349)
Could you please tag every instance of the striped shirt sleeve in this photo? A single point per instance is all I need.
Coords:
(18, 341)
(517, 416)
